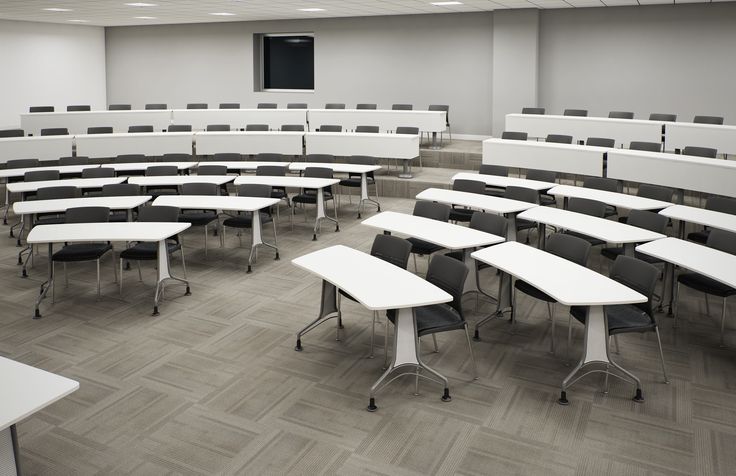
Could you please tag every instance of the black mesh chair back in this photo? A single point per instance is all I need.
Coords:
(655, 192)
(272, 170)
(569, 247)
(267, 105)
(55, 131)
(489, 223)
(12, 133)
(197, 105)
(99, 130)
(270, 157)
(541, 175)
(366, 106)
(78, 160)
(119, 107)
(218, 127)
(522, 194)
(706, 152)
(318, 172)
(180, 128)
(648, 220)
(722, 240)
(87, 215)
(142, 128)
(441, 107)
(40, 175)
(533, 110)
(227, 157)
(514, 135)
(657, 116)
(432, 210)
(587, 207)
(176, 157)
(715, 120)
(120, 190)
(98, 172)
(256, 127)
(721, 204)
(56, 193)
(320, 158)
(329, 128)
(391, 249)
(211, 170)
(199, 188)
(500, 170)
(407, 130)
(41, 109)
(621, 115)
(297, 105)
(401, 107)
(638, 275)
(575, 112)
(162, 170)
(362, 160)
(469, 186)
(292, 127)
(369, 129)
(78, 107)
(601, 183)
(334, 105)
(601, 142)
(449, 275)
(229, 105)
(21, 163)
(559, 138)
(256, 190)
(646, 146)
(158, 214)
(156, 106)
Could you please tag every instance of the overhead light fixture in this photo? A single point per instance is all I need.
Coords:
(79, 21)
(58, 9)
(311, 9)
(141, 4)
(146, 18)
(445, 4)
(223, 14)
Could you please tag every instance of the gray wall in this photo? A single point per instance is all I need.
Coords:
(423, 59)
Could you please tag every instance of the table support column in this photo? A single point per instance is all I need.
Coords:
(164, 273)
(257, 238)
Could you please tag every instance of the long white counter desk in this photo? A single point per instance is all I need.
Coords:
(78, 122)
(565, 158)
(386, 120)
(146, 143)
(42, 148)
(288, 143)
(199, 119)
(682, 134)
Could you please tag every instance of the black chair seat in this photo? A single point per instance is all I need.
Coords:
(246, 220)
(621, 318)
(610, 211)
(699, 236)
(82, 252)
(705, 285)
(119, 216)
(423, 247)
(613, 252)
(434, 318)
(589, 239)
(198, 218)
(495, 192)
(355, 181)
(530, 290)
(547, 200)
(458, 255)
(309, 197)
(522, 224)
(278, 193)
(461, 214)
(146, 251)
(49, 220)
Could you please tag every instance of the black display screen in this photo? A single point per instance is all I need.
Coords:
(288, 62)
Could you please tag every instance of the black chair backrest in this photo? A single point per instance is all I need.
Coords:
(362, 160)
(78, 160)
(366, 106)
(272, 170)
(407, 130)
(78, 107)
(648, 220)
(449, 275)
(161, 170)
(180, 128)
(267, 105)
(521, 194)
(142, 128)
(292, 127)
(257, 190)
(489, 223)
(334, 105)
(500, 170)
(646, 146)
(432, 210)
(204, 169)
(320, 158)
(441, 107)
(158, 213)
(120, 190)
(197, 105)
(601, 142)
(621, 115)
(98, 172)
(218, 127)
(587, 207)
(130, 158)
(227, 157)
(156, 106)
(707, 152)
(55, 193)
(401, 107)
(721, 204)
(657, 116)
(392, 249)
(199, 188)
(637, 275)
(119, 107)
(533, 110)
(21, 163)
(256, 127)
(12, 133)
(41, 109)
(318, 172)
(470, 186)
(297, 105)
(40, 175)
(541, 175)
(87, 215)
(559, 138)
(717, 120)
(570, 247)
(99, 130)
(330, 128)
(229, 105)
(514, 135)
(601, 183)
(575, 112)
(370, 129)
(176, 157)
(55, 131)
(722, 240)
(655, 192)
(270, 157)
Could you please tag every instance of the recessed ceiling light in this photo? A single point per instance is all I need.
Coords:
(223, 14)
(141, 4)
(444, 4)
(58, 9)
(79, 21)
(146, 18)
(311, 9)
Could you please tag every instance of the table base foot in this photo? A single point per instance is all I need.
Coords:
(563, 399)
(298, 346)
(372, 405)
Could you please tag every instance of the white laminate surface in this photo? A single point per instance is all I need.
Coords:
(37, 147)
(622, 200)
(682, 134)
(63, 169)
(180, 179)
(500, 181)
(245, 204)
(18, 187)
(386, 120)
(136, 166)
(79, 121)
(565, 158)
(123, 231)
(147, 143)
(249, 142)
(395, 146)
(336, 167)
(474, 200)
(199, 119)
(299, 182)
(60, 205)
(701, 216)
(244, 164)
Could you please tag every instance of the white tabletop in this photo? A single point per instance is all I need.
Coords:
(180, 179)
(709, 262)
(447, 235)
(123, 231)
(76, 182)
(373, 282)
(720, 137)
(62, 204)
(341, 168)
(26, 390)
(474, 200)
(622, 200)
(609, 231)
(701, 216)
(147, 143)
(63, 169)
(385, 119)
(244, 164)
(568, 283)
(500, 181)
(79, 121)
(216, 202)
(301, 182)
(125, 167)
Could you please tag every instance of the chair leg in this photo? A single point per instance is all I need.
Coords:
(723, 322)
(675, 299)
(661, 355)
(53, 286)
(140, 274)
(183, 263)
(66, 277)
(205, 241)
(569, 337)
(98, 278)
(476, 376)
(120, 283)
(551, 312)
(416, 270)
(434, 341)
(114, 268)
(615, 341)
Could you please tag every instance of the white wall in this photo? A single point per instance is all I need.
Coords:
(420, 59)
(46, 64)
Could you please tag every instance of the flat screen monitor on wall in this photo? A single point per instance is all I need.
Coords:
(287, 61)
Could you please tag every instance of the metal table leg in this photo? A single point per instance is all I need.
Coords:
(164, 273)
(405, 172)
(257, 238)
(322, 215)
(47, 284)
(364, 194)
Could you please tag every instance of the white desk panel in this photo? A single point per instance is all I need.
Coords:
(78, 122)
(682, 134)
(62, 169)
(63, 204)
(42, 148)
(336, 167)
(701, 216)
(147, 143)
(199, 119)
(623, 200)
(276, 142)
(83, 183)
(565, 158)
(386, 120)
(622, 131)
(395, 146)
(501, 181)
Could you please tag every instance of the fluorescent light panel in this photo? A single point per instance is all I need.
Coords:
(311, 9)
(141, 4)
(58, 9)
(445, 4)
(223, 14)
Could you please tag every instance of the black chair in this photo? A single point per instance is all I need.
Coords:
(143, 128)
(706, 152)
(401, 107)
(292, 127)
(243, 220)
(210, 169)
(645, 146)
(320, 158)
(176, 157)
(329, 128)
(723, 241)
(533, 110)
(275, 171)
(12, 133)
(148, 251)
(267, 105)
(656, 116)
(354, 179)
(161, 171)
(77, 160)
(628, 318)
(99, 130)
(571, 248)
(334, 105)
(307, 196)
(179, 128)
(55, 131)
(434, 211)
(297, 105)
(545, 199)
(575, 112)
(197, 105)
(367, 106)
(121, 190)
(449, 275)
(98, 172)
(501, 171)
(601, 142)
(462, 214)
(446, 109)
(414, 131)
(78, 252)
(16, 164)
(270, 157)
(156, 106)
(256, 127)
(605, 184)
(41, 109)
(78, 107)
(54, 193)
(199, 217)
(646, 220)
(229, 105)
(523, 195)
(592, 208)
(38, 176)
(119, 107)
(513, 135)
(227, 157)
(368, 129)
(559, 139)
(716, 120)
(621, 115)
(716, 204)
(218, 128)
(655, 192)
